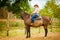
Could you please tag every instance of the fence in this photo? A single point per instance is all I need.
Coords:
(18, 23)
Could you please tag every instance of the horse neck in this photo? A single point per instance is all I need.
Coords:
(25, 16)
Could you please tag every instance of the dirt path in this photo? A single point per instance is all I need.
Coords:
(51, 36)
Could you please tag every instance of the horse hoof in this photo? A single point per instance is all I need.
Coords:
(45, 35)
(28, 37)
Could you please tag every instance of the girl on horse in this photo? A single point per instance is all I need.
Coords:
(35, 13)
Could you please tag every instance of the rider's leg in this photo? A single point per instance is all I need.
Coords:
(33, 17)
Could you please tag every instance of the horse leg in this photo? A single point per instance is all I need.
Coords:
(46, 31)
(25, 30)
(28, 31)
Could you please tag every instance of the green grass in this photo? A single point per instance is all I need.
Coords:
(2, 24)
(17, 29)
(21, 32)
(16, 24)
(3, 33)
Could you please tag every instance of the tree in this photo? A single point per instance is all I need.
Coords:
(54, 8)
(16, 6)
(51, 9)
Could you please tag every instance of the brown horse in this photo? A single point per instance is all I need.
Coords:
(44, 21)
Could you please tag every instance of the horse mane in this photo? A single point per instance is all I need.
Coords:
(25, 14)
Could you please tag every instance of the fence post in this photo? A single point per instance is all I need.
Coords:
(8, 23)
(51, 23)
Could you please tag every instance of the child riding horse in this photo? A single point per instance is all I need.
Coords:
(27, 21)
(36, 11)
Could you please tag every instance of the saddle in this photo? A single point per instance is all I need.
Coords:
(36, 21)
(38, 18)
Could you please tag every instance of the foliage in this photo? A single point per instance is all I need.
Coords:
(16, 6)
(54, 8)
(3, 14)
(51, 9)
(16, 24)
(57, 13)
(45, 12)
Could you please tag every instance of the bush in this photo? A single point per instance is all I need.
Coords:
(2, 24)
(16, 24)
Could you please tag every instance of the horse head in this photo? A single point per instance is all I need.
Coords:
(24, 15)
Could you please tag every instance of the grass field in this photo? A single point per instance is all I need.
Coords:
(17, 31)
(17, 28)
(20, 32)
